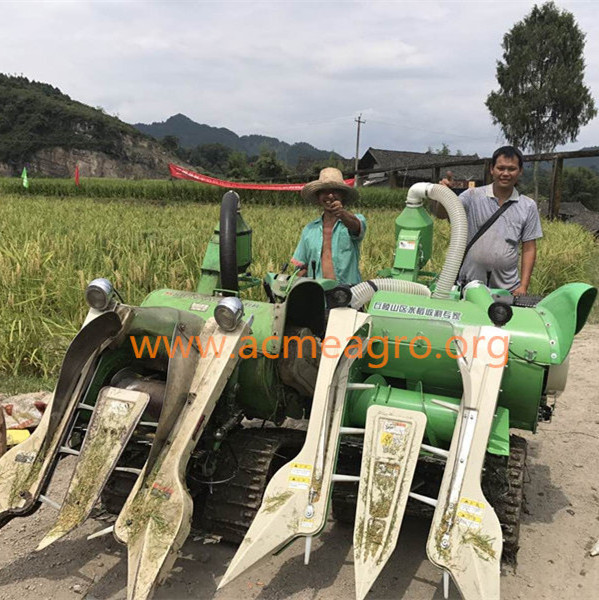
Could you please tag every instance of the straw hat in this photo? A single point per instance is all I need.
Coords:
(329, 179)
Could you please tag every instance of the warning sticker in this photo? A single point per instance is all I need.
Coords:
(397, 427)
(199, 307)
(300, 476)
(393, 442)
(386, 439)
(407, 244)
(470, 512)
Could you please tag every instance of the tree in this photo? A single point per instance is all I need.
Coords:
(542, 101)
(170, 143)
(213, 157)
(581, 185)
(443, 151)
(237, 167)
(267, 166)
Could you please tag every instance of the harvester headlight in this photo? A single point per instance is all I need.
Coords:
(500, 313)
(340, 295)
(228, 313)
(99, 293)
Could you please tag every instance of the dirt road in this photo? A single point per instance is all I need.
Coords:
(561, 525)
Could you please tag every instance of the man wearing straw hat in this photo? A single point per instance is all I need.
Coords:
(330, 245)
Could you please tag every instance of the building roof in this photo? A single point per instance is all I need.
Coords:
(576, 212)
(376, 158)
(572, 208)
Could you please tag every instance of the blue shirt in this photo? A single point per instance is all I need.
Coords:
(493, 259)
(345, 248)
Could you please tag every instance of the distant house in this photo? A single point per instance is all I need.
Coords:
(575, 212)
(375, 158)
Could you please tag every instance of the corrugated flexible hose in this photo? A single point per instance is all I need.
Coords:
(363, 292)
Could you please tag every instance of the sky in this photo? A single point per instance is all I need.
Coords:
(417, 72)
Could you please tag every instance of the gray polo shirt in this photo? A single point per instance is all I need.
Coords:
(494, 257)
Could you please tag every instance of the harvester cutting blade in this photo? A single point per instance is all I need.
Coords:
(391, 448)
(156, 518)
(296, 500)
(115, 416)
(465, 538)
(24, 469)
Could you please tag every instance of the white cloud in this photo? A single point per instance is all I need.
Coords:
(299, 71)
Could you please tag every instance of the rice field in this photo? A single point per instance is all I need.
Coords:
(51, 247)
(174, 191)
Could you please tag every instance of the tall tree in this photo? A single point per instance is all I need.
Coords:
(542, 100)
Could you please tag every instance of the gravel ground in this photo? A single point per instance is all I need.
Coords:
(560, 526)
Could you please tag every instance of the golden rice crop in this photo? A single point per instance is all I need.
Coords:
(50, 248)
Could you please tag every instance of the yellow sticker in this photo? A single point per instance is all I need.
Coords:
(386, 439)
(469, 517)
(472, 506)
(470, 512)
(300, 476)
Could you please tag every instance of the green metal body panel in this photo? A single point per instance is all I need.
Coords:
(440, 419)
(281, 284)
(413, 244)
(268, 318)
(565, 312)
(401, 318)
(419, 221)
(260, 391)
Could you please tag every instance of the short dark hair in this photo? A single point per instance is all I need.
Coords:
(508, 152)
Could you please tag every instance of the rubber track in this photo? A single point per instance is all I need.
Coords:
(503, 485)
(231, 507)
(508, 506)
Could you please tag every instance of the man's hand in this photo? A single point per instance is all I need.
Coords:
(337, 209)
(529, 256)
(521, 290)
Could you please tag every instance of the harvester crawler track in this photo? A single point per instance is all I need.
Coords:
(503, 483)
(231, 507)
(507, 502)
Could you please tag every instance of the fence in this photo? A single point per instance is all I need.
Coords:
(557, 158)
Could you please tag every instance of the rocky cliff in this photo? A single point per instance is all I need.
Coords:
(140, 159)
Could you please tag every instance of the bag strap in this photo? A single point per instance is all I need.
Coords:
(487, 224)
(485, 227)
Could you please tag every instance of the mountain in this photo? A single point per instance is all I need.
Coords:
(591, 162)
(191, 134)
(49, 133)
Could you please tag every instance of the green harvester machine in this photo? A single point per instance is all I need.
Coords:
(407, 385)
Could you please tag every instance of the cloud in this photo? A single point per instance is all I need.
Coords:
(299, 71)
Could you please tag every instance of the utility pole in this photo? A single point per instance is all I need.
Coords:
(359, 122)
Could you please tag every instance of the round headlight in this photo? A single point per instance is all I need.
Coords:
(500, 313)
(99, 294)
(340, 295)
(228, 313)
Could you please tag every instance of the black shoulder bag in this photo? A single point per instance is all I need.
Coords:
(485, 227)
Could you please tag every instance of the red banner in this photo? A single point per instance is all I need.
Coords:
(182, 173)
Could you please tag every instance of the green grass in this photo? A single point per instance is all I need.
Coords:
(50, 248)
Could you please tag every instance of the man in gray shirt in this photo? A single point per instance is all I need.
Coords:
(493, 259)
